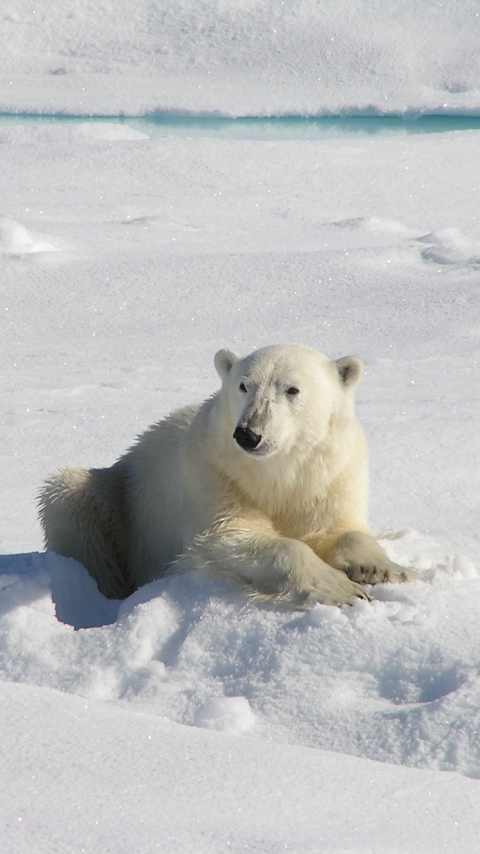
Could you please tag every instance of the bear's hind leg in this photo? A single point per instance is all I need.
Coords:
(82, 517)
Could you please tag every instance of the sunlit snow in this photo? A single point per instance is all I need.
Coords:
(183, 720)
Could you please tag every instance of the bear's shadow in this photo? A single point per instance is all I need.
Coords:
(34, 578)
(38, 579)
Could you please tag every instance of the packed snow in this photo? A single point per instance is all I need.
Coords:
(185, 719)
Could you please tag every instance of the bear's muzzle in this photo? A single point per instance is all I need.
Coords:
(246, 438)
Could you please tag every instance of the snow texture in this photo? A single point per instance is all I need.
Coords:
(247, 57)
(182, 720)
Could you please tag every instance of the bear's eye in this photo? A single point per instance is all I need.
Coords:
(242, 387)
(293, 390)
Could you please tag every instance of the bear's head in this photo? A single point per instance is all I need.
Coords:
(284, 395)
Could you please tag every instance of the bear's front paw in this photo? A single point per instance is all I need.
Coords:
(378, 573)
(365, 562)
(331, 587)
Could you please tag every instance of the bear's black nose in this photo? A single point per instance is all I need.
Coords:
(246, 438)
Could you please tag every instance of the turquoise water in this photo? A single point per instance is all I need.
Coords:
(285, 127)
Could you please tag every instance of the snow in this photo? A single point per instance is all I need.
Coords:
(186, 790)
(183, 720)
(247, 57)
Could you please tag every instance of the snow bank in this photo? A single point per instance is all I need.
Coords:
(82, 776)
(396, 680)
(242, 58)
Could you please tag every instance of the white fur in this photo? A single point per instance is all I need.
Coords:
(287, 517)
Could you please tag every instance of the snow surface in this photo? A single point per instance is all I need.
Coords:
(182, 720)
(240, 57)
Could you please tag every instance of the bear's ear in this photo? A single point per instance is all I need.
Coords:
(223, 361)
(350, 370)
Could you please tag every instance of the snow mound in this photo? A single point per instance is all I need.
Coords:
(394, 680)
(16, 239)
(450, 246)
(226, 714)
(374, 225)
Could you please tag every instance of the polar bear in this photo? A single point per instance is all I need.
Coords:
(265, 481)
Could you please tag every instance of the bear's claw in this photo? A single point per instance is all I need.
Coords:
(389, 573)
